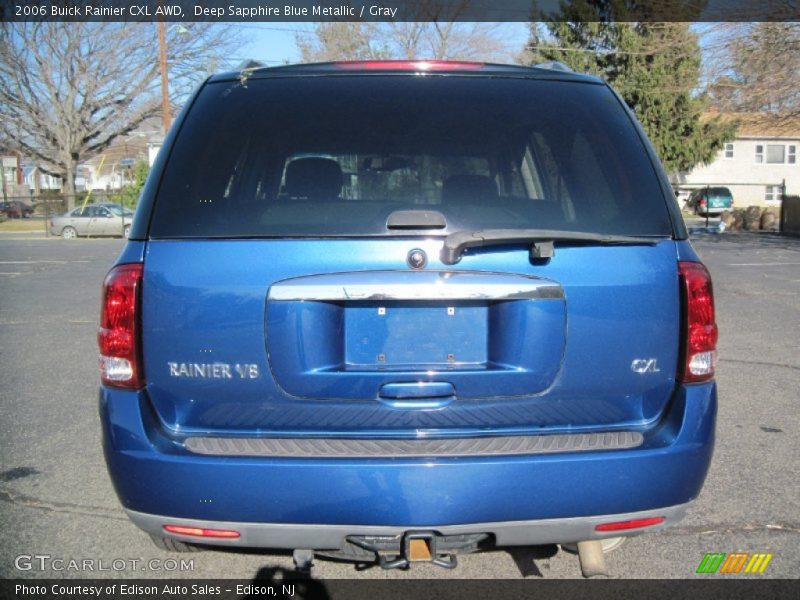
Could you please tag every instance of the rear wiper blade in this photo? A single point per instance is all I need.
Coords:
(541, 240)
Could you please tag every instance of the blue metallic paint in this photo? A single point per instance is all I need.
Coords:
(309, 360)
(152, 473)
(621, 305)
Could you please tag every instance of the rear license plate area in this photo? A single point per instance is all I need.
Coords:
(415, 335)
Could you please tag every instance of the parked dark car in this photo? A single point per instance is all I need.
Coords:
(397, 311)
(16, 209)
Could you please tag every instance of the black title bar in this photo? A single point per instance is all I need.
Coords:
(277, 584)
(392, 10)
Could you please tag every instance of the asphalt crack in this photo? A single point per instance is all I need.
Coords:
(59, 507)
(719, 528)
(758, 363)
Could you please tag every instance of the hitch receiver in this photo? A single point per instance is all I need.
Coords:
(419, 546)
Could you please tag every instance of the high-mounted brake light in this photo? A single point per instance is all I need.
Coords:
(699, 325)
(118, 336)
(410, 65)
(201, 532)
(629, 524)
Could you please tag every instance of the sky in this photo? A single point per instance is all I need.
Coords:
(270, 43)
(273, 43)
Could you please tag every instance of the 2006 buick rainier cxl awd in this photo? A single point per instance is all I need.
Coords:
(398, 311)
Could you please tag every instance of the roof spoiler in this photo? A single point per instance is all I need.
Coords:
(554, 65)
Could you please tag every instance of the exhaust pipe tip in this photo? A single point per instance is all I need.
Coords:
(592, 559)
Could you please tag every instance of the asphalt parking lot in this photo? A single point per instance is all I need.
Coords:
(56, 499)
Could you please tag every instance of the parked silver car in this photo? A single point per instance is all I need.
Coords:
(118, 209)
(91, 220)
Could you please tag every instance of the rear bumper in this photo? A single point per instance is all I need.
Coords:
(311, 502)
(714, 210)
(332, 537)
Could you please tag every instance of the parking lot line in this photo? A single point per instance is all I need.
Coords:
(40, 262)
(768, 264)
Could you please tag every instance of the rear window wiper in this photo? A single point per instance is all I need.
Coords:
(541, 240)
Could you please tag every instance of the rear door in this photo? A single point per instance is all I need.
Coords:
(104, 222)
(81, 219)
(283, 293)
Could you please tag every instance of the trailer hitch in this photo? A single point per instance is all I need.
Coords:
(415, 546)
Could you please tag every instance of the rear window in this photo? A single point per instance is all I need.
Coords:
(336, 155)
(719, 192)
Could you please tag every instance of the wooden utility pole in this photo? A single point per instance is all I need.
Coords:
(166, 113)
(18, 172)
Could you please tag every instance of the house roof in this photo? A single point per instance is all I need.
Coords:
(760, 124)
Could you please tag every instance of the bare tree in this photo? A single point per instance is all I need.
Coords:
(433, 32)
(754, 67)
(68, 90)
(445, 40)
(340, 41)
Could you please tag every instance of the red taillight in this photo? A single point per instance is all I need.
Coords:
(702, 201)
(699, 326)
(629, 524)
(410, 65)
(201, 532)
(118, 336)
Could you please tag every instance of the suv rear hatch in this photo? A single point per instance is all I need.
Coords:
(284, 291)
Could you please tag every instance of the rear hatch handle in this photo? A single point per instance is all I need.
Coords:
(417, 389)
(417, 395)
(542, 241)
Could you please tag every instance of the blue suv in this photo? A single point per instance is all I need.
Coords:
(397, 311)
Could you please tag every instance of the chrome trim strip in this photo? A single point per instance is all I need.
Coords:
(415, 285)
(332, 537)
(388, 448)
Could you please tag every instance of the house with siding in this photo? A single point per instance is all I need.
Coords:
(755, 165)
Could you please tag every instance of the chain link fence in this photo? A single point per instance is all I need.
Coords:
(94, 214)
(50, 208)
(750, 201)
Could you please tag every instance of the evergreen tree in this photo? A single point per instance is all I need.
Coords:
(654, 66)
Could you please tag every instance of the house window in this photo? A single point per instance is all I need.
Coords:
(728, 150)
(776, 154)
(773, 193)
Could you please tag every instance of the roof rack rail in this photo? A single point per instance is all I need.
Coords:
(554, 65)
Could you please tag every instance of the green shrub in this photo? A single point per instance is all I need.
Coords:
(129, 195)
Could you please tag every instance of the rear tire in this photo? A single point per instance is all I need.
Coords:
(173, 545)
(69, 233)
